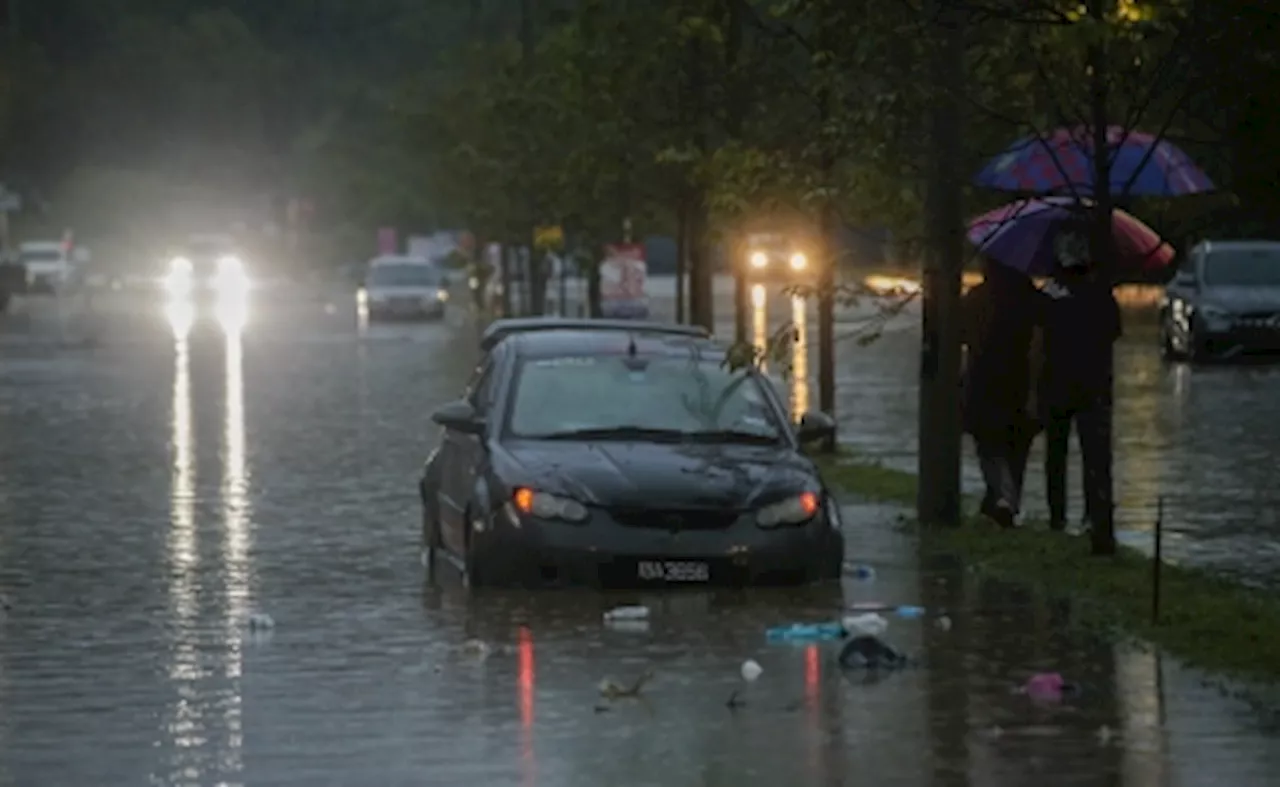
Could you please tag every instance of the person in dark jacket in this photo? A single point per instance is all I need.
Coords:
(1081, 323)
(1000, 317)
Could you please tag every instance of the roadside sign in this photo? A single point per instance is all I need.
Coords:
(549, 237)
(386, 240)
(623, 274)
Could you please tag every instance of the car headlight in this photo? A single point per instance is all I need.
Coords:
(799, 262)
(759, 259)
(547, 506)
(179, 282)
(792, 511)
(442, 295)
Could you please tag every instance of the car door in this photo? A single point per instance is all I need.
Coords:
(460, 456)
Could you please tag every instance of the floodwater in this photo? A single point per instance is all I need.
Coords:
(165, 482)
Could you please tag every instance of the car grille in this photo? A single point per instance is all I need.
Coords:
(675, 520)
(1267, 320)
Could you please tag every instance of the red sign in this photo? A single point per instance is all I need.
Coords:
(387, 240)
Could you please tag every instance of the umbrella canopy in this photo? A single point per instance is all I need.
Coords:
(1022, 236)
(1061, 162)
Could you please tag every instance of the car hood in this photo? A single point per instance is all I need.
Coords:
(1243, 299)
(423, 291)
(634, 474)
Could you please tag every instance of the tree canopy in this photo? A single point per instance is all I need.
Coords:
(502, 115)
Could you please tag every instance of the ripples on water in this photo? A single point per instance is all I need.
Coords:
(157, 491)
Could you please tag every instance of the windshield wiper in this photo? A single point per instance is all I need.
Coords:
(732, 436)
(618, 433)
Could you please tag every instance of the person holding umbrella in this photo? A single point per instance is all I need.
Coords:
(1000, 316)
(1081, 323)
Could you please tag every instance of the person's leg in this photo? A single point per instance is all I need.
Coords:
(1094, 425)
(1057, 436)
(1020, 453)
(989, 466)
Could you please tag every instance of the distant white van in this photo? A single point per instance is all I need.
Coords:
(49, 266)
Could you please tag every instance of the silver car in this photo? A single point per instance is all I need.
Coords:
(398, 288)
(1223, 302)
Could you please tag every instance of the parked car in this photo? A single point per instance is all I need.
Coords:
(1224, 301)
(403, 288)
(610, 456)
(49, 265)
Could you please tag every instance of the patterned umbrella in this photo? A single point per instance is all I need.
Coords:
(1022, 236)
(1061, 162)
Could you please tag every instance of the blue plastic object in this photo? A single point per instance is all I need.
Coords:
(909, 612)
(805, 632)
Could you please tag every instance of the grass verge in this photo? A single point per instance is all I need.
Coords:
(1206, 620)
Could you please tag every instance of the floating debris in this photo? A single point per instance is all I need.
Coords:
(627, 613)
(909, 612)
(261, 621)
(1048, 687)
(864, 573)
(867, 652)
(477, 648)
(867, 623)
(612, 689)
(1105, 735)
(943, 623)
(751, 670)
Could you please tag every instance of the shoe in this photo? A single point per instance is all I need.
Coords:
(988, 508)
(1004, 515)
(1081, 529)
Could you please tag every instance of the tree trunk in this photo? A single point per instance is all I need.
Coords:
(1101, 240)
(938, 495)
(701, 304)
(682, 255)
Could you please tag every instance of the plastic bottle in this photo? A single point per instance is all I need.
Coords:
(805, 632)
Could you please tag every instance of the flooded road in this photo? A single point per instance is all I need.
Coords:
(164, 482)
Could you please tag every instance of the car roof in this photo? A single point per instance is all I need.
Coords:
(1238, 245)
(391, 259)
(569, 342)
(585, 328)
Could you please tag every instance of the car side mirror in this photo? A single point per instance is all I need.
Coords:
(815, 425)
(459, 416)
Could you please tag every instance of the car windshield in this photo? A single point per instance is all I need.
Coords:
(655, 399)
(1247, 268)
(403, 275)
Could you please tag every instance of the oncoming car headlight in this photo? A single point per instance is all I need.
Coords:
(799, 262)
(547, 506)
(178, 281)
(793, 511)
(759, 259)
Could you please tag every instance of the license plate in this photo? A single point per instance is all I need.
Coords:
(673, 571)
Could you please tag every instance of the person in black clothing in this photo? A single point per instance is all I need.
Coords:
(1081, 323)
(1000, 318)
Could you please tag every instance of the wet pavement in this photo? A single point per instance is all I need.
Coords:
(156, 491)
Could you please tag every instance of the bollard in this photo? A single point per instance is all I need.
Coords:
(1157, 561)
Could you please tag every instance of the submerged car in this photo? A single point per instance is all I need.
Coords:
(1223, 302)
(581, 456)
(404, 288)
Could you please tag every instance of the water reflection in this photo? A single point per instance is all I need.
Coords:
(760, 321)
(1140, 694)
(526, 683)
(800, 357)
(235, 550)
(184, 723)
